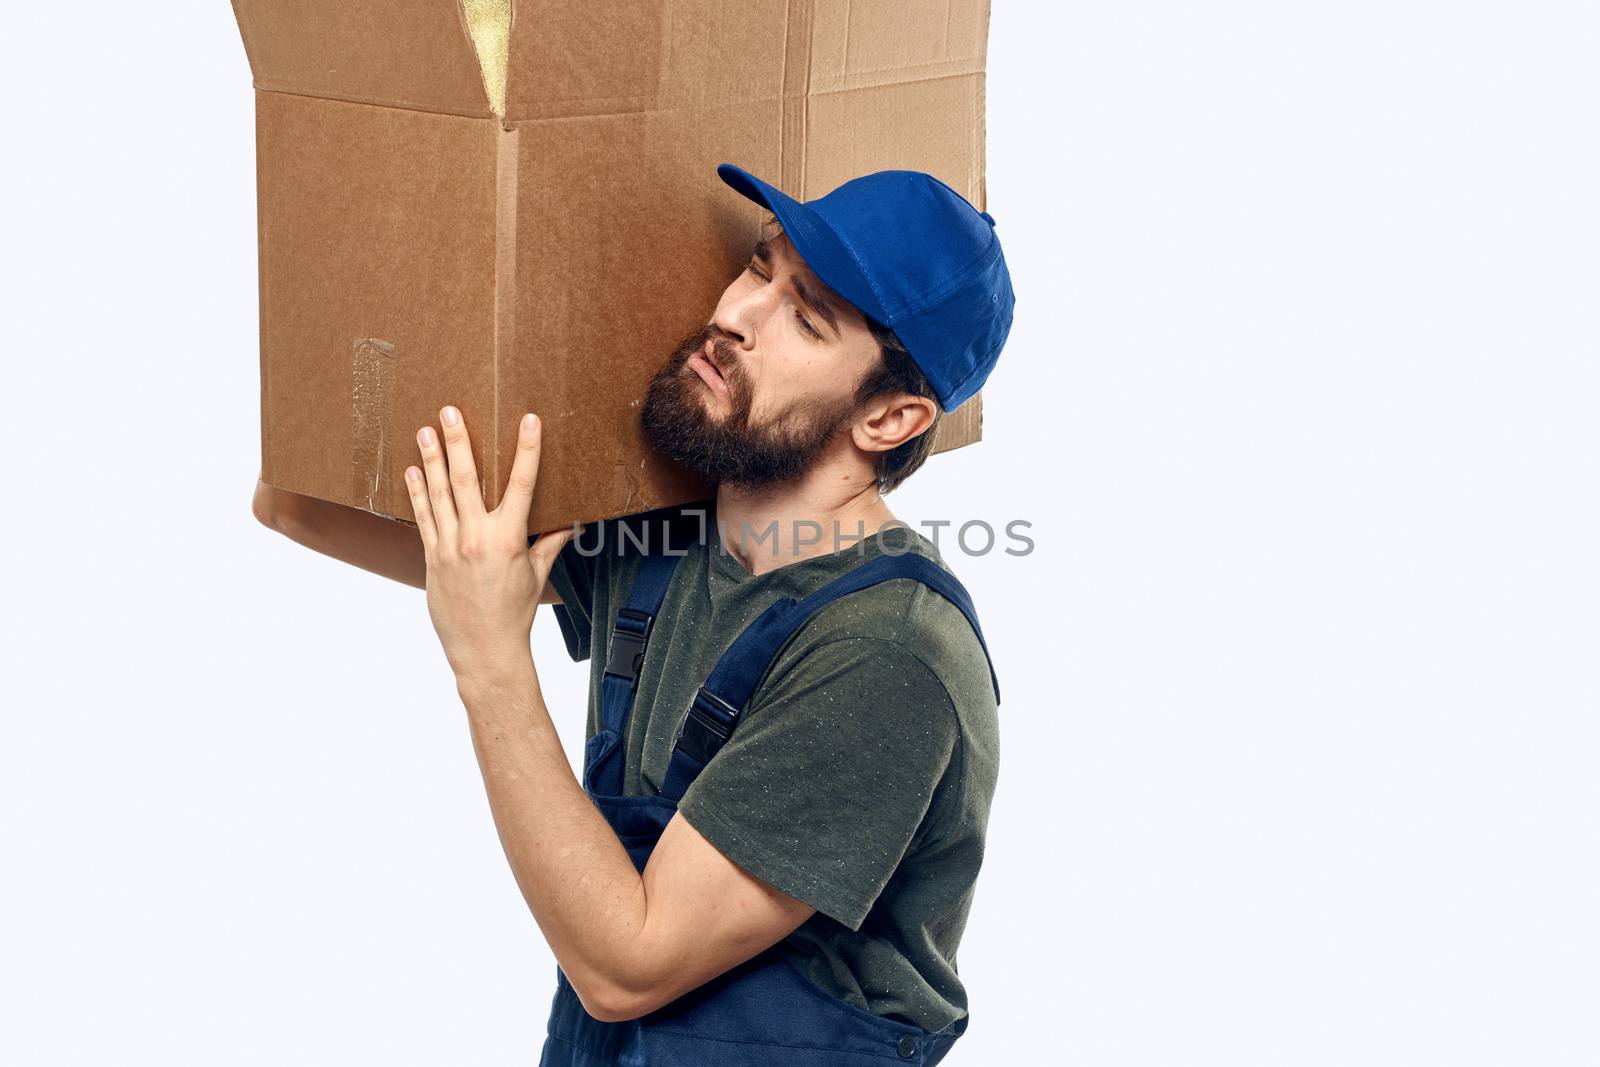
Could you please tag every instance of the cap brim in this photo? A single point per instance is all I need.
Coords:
(750, 187)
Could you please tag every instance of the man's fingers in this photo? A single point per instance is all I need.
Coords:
(437, 477)
(463, 472)
(545, 549)
(524, 474)
(422, 508)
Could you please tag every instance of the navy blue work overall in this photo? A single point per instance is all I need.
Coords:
(762, 1013)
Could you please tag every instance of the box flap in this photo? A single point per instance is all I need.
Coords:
(415, 54)
(630, 56)
(377, 246)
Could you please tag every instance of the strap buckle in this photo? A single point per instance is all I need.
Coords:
(710, 723)
(628, 639)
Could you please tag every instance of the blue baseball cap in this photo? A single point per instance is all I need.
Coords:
(912, 255)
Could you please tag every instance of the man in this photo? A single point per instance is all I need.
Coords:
(782, 878)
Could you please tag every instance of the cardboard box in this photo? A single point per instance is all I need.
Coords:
(518, 210)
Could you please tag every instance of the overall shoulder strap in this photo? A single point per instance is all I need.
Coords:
(630, 634)
(719, 703)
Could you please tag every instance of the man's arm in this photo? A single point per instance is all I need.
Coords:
(360, 538)
(628, 944)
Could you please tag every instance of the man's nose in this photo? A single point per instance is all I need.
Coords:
(739, 319)
(726, 326)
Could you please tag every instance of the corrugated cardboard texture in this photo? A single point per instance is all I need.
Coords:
(547, 259)
(373, 223)
(400, 53)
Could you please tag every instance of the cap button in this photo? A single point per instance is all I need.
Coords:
(987, 217)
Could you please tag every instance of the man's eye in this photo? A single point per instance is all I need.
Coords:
(805, 324)
(753, 269)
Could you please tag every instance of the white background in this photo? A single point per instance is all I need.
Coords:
(1299, 735)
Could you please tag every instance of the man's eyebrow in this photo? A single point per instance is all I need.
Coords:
(815, 302)
(813, 299)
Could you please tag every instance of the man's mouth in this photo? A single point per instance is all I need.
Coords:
(702, 365)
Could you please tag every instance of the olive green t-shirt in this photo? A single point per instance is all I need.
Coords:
(860, 776)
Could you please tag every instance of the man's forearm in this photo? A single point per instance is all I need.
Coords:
(573, 871)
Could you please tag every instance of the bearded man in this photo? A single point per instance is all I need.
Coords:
(792, 741)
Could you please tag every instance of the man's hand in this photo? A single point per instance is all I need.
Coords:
(484, 582)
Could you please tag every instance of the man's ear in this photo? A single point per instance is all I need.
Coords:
(887, 422)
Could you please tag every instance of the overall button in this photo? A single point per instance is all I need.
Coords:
(907, 1046)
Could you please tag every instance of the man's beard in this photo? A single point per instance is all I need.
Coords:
(729, 450)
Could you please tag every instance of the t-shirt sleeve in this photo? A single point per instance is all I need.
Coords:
(573, 575)
(829, 774)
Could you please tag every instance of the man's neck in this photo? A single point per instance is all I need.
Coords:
(825, 510)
